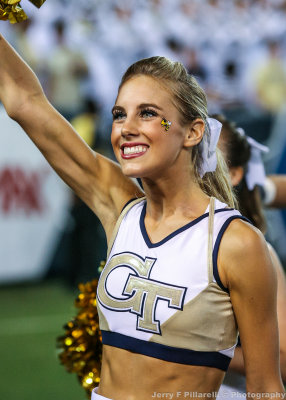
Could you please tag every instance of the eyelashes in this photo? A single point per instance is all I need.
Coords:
(117, 115)
(144, 113)
(147, 112)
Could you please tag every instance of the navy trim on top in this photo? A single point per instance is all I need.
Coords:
(176, 232)
(128, 202)
(216, 248)
(173, 354)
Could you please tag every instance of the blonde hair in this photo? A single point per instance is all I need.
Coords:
(191, 102)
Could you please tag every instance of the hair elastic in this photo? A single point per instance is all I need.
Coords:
(208, 146)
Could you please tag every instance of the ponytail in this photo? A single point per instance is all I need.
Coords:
(217, 183)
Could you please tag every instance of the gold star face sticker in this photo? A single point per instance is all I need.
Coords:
(166, 124)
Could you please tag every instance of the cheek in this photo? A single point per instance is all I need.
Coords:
(175, 136)
(162, 132)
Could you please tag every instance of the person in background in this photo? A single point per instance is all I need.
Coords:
(85, 123)
(274, 191)
(82, 245)
(242, 155)
(270, 79)
(66, 70)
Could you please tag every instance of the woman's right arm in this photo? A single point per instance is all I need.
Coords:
(97, 180)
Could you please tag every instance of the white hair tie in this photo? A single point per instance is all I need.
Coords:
(208, 146)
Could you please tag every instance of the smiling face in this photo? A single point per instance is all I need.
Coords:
(140, 143)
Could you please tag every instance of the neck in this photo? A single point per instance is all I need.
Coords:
(166, 196)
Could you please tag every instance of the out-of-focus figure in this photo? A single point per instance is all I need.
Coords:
(271, 79)
(67, 70)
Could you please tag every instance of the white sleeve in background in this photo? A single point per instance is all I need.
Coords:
(269, 190)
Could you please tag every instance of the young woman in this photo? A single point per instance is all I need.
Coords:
(183, 268)
(238, 152)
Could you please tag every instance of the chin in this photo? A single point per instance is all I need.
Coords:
(132, 172)
(141, 173)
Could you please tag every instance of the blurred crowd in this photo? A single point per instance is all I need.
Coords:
(236, 49)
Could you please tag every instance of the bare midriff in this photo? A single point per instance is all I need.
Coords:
(129, 376)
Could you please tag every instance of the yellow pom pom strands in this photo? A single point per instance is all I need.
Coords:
(11, 10)
(81, 346)
(166, 124)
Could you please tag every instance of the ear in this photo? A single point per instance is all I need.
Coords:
(194, 133)
(236, 175)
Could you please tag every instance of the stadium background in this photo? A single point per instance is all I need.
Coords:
(79, 49)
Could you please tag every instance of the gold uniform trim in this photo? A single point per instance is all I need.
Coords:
(207, 323)
(118, 223)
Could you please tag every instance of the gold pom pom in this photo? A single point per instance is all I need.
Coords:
(81, 346)
(11, 10)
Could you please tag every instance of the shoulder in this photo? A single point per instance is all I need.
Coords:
(240, 234)
(243, 255)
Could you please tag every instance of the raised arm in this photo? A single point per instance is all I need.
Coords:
(95, 179)
(246, 270)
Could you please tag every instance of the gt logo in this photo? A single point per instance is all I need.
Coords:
(141, 294)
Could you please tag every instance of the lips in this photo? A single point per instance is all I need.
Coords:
(133, 150)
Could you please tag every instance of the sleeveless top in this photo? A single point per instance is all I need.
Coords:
(165, 299)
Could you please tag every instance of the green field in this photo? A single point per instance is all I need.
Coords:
(31, 318)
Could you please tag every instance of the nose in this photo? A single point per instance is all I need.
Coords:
(129, 128)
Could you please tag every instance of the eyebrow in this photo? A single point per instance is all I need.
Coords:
(144, 105)
(140, 107)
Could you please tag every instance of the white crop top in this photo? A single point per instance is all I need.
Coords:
(165, 299)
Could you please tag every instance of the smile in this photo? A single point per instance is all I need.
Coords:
(129, 151)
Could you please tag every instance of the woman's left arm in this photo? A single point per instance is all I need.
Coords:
(281, 309)
(246, 269)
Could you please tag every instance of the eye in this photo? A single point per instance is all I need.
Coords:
(148, 113)
(118, 115)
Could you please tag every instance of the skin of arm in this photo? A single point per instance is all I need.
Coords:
(97, 180)
(280, 196)
(237, 363)
(281, 309)
(246, 269)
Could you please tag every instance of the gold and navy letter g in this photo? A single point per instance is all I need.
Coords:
(140, 294)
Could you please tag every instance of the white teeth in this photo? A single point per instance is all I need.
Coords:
(134, 149)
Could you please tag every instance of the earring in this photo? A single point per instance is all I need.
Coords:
(166, 124)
